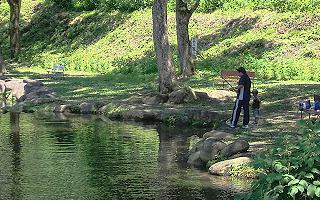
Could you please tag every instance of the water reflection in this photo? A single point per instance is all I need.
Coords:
(59, 157)
(16, 155)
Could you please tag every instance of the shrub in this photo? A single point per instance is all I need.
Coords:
(292, 168)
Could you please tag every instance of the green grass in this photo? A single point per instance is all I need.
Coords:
(110, 55)
(278, 46)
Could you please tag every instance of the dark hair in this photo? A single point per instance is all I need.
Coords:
(255, 91)
(242, 70)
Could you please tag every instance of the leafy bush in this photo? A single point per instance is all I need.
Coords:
(244, 171)
(293, 168)
(274, 5)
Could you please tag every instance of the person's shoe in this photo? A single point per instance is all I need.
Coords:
(245, 126)
(229, 124)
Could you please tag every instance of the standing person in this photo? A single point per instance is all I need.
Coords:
(243, 99)
(256, 102)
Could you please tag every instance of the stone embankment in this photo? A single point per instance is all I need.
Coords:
(31, 96)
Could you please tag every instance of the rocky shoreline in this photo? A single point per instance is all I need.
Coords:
(32, 96)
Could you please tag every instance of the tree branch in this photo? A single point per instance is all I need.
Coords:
(194, 7)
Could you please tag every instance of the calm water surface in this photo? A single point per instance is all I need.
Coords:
(54, 157)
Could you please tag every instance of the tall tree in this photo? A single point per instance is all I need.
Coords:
(184, 11)
(2, 67)
(15, 6)
(161, 43)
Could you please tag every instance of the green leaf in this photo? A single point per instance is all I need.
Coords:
(317, 183)
(310, 162)
(279, 189)
(317, 192)
(289, 176)
(304, 184)
(300, 188)
(293, 182)
(278, 167)
(316, 171)
(309, 175)
(311, 190)
(293, 191)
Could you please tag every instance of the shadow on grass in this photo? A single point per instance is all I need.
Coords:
(94, 87)
(53, 28)
(234, 28)
(236, 55)
(285, 97)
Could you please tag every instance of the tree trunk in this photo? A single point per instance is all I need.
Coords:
(2, 67)
(15, 6)
(183, 15)
(161, 43)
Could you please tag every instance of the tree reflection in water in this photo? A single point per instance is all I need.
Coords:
(16, 155)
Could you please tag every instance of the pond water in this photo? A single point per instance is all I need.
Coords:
(54, 157)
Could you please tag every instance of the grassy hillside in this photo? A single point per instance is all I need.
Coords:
(276, 45)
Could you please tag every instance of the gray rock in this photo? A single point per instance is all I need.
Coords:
(17, 88)
(202, 95)
(26, 89)
(222, 168)
(191, 96)
(197, 146)
(194, 160)
(211, 148)
(183, 95)
(217, 135)
(87, 108)
(239, 146)
(152, 100)
(142, 115)
(61, 108)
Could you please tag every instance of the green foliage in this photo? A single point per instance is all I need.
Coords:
(208, 6)
(63, 3)
(273, 5)
(171, 120)
(244, 171)
(109, 5)
(292, 168)
(125, 5)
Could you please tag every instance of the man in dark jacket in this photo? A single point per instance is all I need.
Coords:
(243, 99)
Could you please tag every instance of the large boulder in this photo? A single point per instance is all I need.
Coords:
(28, 90)
(196, 144)
(19, 88)
(202, 95)
(239, 146)
(183, 95)
(87, 108)
(222, 168)
(217, 135)
(211, 148)
(194, 160)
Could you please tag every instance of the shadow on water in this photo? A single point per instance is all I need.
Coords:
(15, 142)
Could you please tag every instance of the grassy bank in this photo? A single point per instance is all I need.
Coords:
(278, 46)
